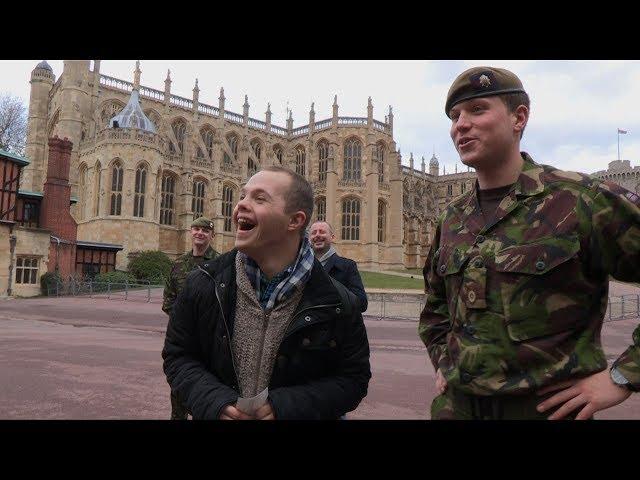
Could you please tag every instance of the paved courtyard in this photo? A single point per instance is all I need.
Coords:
(99, 358)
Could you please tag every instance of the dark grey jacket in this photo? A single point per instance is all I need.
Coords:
(346, 272)
(322, 369)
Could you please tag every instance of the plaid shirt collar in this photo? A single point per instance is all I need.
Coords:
(283, 284)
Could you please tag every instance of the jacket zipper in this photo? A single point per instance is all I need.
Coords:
(226, 327)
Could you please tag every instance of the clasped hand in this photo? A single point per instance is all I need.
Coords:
(230, 412)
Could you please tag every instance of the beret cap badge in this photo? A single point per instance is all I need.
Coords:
(479, 82)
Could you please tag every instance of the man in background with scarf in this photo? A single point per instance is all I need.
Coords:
(342, 269)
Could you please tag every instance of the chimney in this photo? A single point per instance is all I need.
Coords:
(54, 210)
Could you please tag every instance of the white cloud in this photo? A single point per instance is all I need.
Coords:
(576, 105)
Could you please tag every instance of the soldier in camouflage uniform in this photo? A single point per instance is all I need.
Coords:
(201, 251)
(517, 276)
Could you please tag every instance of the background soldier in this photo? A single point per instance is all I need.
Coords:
(201, 251)
(518, 273)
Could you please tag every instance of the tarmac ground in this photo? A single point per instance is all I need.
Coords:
(99, 358)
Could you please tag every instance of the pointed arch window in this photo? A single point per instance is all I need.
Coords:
(98, 184)
(167, 200)
(323, 154)
(109, 111)
(352, 159)
(278, 152)
(227, 206)
(321, 209)
(251, 167)
(207, 139)
(197, 200)
(378, 155)
(117, 174)
(351, 219)
(140, 190)
(382, 221)
(179, 130)
(82, 192)
(300, 159)
(232, 140)
(463, 187)
(257, 149)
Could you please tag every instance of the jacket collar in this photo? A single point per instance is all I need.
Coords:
(317, 291)
(210, 253)
(529, 183)
(331, 262)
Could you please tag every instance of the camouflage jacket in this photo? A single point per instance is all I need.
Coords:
(518, 304)
(181, 267)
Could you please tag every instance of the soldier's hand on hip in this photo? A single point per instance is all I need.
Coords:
(441, 382)
(593, 393)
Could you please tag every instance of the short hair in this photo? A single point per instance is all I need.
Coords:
(299, 196)
(324, 221)
(514, 100)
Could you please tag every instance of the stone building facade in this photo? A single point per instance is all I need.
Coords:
(145, 162)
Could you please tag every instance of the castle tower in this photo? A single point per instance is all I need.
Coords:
(74, 115)
(131, 156)
(434, 166)
(42, 80)
(75, 102)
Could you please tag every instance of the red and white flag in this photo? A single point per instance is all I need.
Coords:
(622, 131)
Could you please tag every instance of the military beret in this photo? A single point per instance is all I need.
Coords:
(482, 82)
(203, 223)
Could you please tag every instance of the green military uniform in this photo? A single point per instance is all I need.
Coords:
(518, 303)
(179, 271)
(174, 285)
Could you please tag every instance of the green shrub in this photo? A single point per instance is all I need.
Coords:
(150, 265)
(116, 276)
(48, 282)
(111, 281)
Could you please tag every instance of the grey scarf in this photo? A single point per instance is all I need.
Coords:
(323, 259)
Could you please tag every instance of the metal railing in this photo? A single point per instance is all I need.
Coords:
(407, 306)
(382, 306)
(140, 290)
(622, 307)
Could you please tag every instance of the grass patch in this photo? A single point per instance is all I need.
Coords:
(381, 280)
(412, 271)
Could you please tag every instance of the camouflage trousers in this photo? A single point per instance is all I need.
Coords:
(455, 405)
(178, 411)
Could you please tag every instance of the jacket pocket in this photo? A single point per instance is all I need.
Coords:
(536, 287)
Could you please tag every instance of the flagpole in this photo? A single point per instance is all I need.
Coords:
(618, 144)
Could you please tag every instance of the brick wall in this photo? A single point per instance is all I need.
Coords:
(54, 210)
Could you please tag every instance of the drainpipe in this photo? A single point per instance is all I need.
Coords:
(12, 249)
(57, 252)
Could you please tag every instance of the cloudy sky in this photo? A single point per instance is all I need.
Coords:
(577, 106)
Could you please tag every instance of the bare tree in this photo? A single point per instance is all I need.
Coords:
(13, 124)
